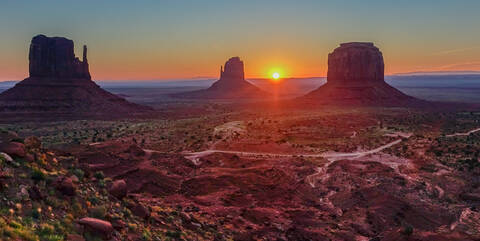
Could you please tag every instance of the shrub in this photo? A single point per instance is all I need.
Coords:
(132, 227)
(407, 230)
(35, 213)
(146, 235)
(98, 212)
(99, 175)
(45, 229)
(174, 234)
(37, 174)
(101, 183)
(93, 200)
(78, 173)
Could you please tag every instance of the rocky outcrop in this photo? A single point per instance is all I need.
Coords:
(13, 149)
(231, 85)
(118, 189)
(55, 58)
(66, 186)
(356, 76)
(97, 226)
(356, 64)
(140, 210)
(74, 237)
(234, 70)
(60, 86)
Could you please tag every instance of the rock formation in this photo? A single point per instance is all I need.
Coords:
(60, 84)
(356, 76)
(55, 58)
(231, 85)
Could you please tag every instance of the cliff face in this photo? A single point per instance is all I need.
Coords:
(55, 58)
(234, 70)
(356, 76)
(355, 64)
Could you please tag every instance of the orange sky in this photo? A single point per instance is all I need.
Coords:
(172, 40)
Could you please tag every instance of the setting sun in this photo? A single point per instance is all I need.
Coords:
(276, 75)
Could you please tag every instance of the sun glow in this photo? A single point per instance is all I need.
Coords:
(275, 75)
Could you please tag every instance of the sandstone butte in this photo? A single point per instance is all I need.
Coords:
(231, 85)
(60, 84)
(356, 76)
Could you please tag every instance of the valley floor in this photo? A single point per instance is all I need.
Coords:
(329, 174)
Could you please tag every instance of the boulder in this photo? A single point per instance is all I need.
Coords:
(118, 189)
(6, 157)
(66, 186)
(140, 211)
(13, 149)
(74, 237)
(97, 226)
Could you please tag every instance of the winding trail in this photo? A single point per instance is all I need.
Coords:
(331, 156)
(464, 133)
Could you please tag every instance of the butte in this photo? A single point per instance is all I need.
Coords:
(60, 85)
(231, 85)
(356, 77)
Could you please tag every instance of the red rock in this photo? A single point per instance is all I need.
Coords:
(231, 85)
(97, 226)
(66, 186)
(74, 237)
(118, 224)
(136, 151)
(118, 189)
(13, 149)
(55, 57)
(356, 76)
(356, 64)
(60, 83)
(234, 70)
(140, 211)
(30, 157)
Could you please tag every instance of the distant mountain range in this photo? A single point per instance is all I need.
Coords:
(438, 73)
(8, 84)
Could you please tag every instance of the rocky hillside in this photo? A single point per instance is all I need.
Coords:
(44, 195)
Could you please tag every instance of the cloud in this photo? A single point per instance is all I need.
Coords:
(461, 66)
(454, 51)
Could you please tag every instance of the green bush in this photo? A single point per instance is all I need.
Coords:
(407, 230)
(99, 175)
(78, 173)
(37, 174)
(98, 212)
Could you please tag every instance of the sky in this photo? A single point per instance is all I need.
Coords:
(180, 39)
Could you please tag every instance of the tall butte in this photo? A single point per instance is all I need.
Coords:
(60, 84)
(356, 76)
(231, 85)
